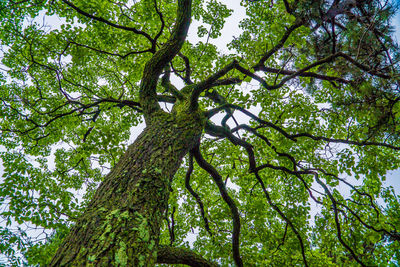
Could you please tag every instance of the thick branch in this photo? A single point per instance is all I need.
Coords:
(188, 70)
(253, 168)
(206, 84)
(294, 137)
(169, 87)
(161, 58)
(304, 74)
(171, 255)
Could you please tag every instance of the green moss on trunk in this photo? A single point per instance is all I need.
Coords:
(121, 225)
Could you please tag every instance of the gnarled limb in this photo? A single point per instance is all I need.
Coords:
(161, 58)
(171, 255)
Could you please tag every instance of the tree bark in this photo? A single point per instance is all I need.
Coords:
(169, 255)
(121, 225)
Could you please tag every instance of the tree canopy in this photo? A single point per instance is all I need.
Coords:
(272, 152)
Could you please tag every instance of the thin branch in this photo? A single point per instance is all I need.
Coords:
(298, 23)
(294, 137)
(283, 216)
(160, 15)
(112, 54)
(100, 19)
(195, 195)
(252, 167)
(229, 201)
(337, 222)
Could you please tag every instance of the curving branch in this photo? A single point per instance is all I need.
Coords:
(360, 193)
(252, 166)
(335, 205)
(206, 84)
(297, 24)
(304, 74)
(112, 24)
(160, 15)
(188, 69)
(195, 195)
(294, 137)
(171, 225)
(123, 56)
(229, 201)
(327, 59)
(227, 81)
(173, 255)
(226, 132)
(161, 58)
(283, 216)
(336, 214)
(169, 87)
(214, 80)
(290, 7)
(80, 110)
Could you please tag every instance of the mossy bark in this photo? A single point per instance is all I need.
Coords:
(121, 225)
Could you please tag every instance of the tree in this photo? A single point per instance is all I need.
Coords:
(274, 153)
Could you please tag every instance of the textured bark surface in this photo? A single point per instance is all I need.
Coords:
(169, 255)
(121, 225)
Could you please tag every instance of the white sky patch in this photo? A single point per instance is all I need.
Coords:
(396, 24)
(230, 30)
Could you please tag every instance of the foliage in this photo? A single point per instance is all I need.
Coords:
(303, 126)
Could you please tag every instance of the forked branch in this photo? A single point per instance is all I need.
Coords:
(161, 58)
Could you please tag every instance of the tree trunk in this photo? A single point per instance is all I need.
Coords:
(121, 225)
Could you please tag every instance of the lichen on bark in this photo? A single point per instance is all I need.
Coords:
(121, 225)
